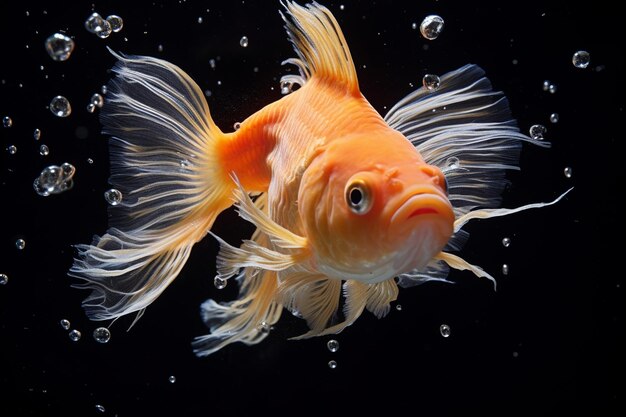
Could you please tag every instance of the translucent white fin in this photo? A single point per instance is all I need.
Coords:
(247, 319)
(162, 161)
(252, 254)
(379, 297)
(436, 270)
(488, 213)
(313, 297)
(459, 263)
(320, 46)
(466, 129)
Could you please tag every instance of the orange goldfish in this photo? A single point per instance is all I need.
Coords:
(347, 204)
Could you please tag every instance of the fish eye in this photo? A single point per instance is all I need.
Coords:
(358, 197)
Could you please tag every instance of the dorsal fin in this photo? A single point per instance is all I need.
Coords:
(320, 45)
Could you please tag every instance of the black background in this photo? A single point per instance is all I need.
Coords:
(548, 342)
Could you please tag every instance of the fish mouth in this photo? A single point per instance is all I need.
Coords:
(423, 204)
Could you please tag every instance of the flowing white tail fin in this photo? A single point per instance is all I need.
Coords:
(163, 162)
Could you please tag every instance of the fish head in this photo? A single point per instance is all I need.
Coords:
(373, 210)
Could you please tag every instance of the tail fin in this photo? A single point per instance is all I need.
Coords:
(162, 160)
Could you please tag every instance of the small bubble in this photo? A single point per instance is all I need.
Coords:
(431, 82)
(399, 307)
(554, 118)
(116, 22)
(94, 23)
(220, 283)
(342, 7)
(160, 48)
(60, 106)
(7, 121)
(65, 324)
(332, 364)
(567, 171)
(113, 196)
(552, 88)
(208, 93)
(97, 100)
(44, 150)
(581, 59)
(264, 328)
(431, 27)
(74, 335)
(20, 244)
(212, 63)
(243, 41)
(102, 335)
(171, 379)
(89, 161)
(12, 149)
(515, 354)
(413, 25)
(538, 132)
(59, 46)
(103, 89)
(91, 107)
(546, 85)
(444, 329)
(200, 20)
(37, 134)
(4, 279)
(100, 408)
(332, 345)
(54, 180)
(237, 125)
(286, 87)
(506, 242)
(505, 269)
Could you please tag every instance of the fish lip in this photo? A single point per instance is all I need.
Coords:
(423, 202)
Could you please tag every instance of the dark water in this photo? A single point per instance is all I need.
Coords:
(548, 342)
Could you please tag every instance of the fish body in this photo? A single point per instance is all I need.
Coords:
(348, 204)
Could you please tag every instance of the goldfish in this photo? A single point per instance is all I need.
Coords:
(348, 205)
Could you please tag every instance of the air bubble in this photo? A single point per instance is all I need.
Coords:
(552, 88)
(59, 46)
(54, 180)
(554, 118)
(12, 149)
(44, 150)
(332, 364)
(431, 82)
(505, 269)
(171, 379)
(7, 121)
(264, 328)
(444, 329)
(98, 26)
(399, 307)
(286, 87)
(113, 196)
(102, 335)
(4, 279)
(97, 100)
(200, 20)
(116, 22)
(74, 335)
(244, 41)
(332, 345)
(60, 106)
(100, 408)
(581, 59)
(220, 283)
(431, 27)
(537, 132)
(506, 242)
(65, 324)
(567, 171)
(37, 134)
(237, 125)
(20, 244)
(91, 107)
